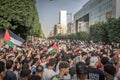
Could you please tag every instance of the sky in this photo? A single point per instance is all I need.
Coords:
(48, 11)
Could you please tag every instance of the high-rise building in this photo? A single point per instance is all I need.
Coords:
(94, 11)
(63, 20)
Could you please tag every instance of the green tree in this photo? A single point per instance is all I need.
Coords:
(20, 16)
(113, 29)
(107, 32)
(96, 31)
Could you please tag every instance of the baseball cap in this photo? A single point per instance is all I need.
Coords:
(93, 60)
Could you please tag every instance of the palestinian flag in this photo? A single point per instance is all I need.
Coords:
(11, 37)
(52, 49)
(10, 44)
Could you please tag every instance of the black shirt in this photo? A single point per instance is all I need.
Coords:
(11, 75)
(95, 74)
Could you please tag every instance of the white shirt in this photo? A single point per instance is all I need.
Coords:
(48, 74)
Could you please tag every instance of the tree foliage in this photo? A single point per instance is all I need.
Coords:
(113, 28)
(98, 32)
(21, 16)
(107, 32)
(78, 36)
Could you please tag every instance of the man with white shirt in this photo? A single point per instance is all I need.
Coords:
(48, 71)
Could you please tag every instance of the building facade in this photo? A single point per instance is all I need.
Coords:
(63, 20)
(58, 29)
(70, 27)
(51, 34)
(95, 11)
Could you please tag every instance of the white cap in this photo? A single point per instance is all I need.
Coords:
(93, 60)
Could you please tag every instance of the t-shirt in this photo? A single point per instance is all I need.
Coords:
(56, 77)
(43, 64)
(67, 77)
(73, 78)
(33, 69)
(6, 77)
(11, 75)
(95, 74)
(48, 73)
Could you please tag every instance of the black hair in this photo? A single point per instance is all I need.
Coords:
(34, 77)
(39, 68)
(9, 64)
(2, 66)
(83, 53)
(104, 60)
(112, 54)
(35, 60)
(112, 62)
(51, 62)
(102, 50)
(9, 57)
(87, 61)
(25, 66)
(63, 64)
(15, 67)
(42, 56)
(66, 56)
(28, 59)
(33, 55)
(81, 70)
(110, 69)
(25, 73)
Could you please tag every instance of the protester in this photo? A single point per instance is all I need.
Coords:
(48, 71)
(93, 72)
(45, 62)
(34, 77)
(110, 72)
(24, 73)
(2, 70)
(64, 69)
(9, 66)
(81, 71)
(39, 71)
(34, 65)
(72, 73)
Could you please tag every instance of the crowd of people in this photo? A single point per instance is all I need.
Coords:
(69, 60)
